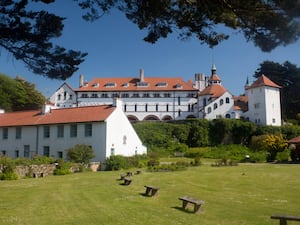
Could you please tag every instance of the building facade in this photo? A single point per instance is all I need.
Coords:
(51, 132)
(164, 98)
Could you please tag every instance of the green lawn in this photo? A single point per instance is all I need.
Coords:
(247, 194)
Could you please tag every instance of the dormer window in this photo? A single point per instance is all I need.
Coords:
(161, 84)
(178, 86)
(95, 85)
(110, 85)
(125, 85)
(142, 84)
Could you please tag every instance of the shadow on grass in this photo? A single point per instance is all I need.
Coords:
(183, 210)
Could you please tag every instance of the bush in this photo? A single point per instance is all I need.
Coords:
(9, 176)
(283, 156)
(62, 168)
(115, 162)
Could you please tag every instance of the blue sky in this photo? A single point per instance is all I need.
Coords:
(116, 48)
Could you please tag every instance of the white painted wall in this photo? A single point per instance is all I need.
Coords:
(121, 137)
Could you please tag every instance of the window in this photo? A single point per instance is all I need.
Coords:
(26, 151)
(204, 102)
(227, 100)
(156, 95)
(58, 97)
(142, 84)
(46, 131)
(125, 108)
(71, 97)
(156, 107)
(60, 154)
(135, 107)
(46, 151)
(215, 106)
(18, 132)
(60, 131)
(65, 95)
(179, 112)
(73, 130)
(94, 95)
(146, 95)
(208, 110)
(88, 130)
(17, 153)
(125, 95)
(84, 96)
(221, 102)
(273, 120)
(146, 108)
(167, 107)
(135, 95)
(3, 152)
(161, 84)
(115, 95)
(110, 85)
(104, 95)
(167, 95)
(178, 99)
(5, 133)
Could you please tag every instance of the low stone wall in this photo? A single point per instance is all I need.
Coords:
(35, 170)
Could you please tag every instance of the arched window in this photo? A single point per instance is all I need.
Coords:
(227, 100)
(215, 105)
(221, 102)
(227, 116)
(209, 110)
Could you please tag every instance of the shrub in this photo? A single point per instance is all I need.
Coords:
(115, 162)
(62, 168)
(80, 154)
(283, 156)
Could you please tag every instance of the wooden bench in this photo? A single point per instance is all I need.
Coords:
(196, 202)
(122, 176)
(129, 174)
(127, 181)
(138, 172)
(151, 191)
(284, 218)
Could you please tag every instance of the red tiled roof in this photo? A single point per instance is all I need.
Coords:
(263, 81)
(130, 84)
(241, 103)
(215, 91)
(56, 116)
(294, 140)
(215, 77)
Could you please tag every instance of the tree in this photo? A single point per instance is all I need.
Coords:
(274, 144)
(18, 94)
(26, 33)
(80, 153)
(266, 23)
(287, 75)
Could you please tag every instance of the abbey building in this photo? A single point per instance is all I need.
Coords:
(164, 98)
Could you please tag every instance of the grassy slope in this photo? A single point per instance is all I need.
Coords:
(242, 195)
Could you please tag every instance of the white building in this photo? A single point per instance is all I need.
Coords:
(165, 98)
(144, 98)
(51, 132)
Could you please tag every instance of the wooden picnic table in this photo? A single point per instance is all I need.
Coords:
(151, 191)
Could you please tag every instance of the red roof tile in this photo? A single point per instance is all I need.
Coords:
(263, 81)
(215, 91)
(241, 103)
(294, 140)
(131, 84)
(56, 116)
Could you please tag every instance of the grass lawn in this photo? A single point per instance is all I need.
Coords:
(247, 194)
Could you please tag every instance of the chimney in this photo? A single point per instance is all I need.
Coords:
(81, 80)
(46, 108)
(141, 75)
